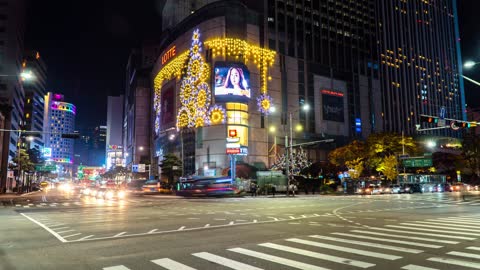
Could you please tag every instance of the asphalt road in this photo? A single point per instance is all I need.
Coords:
(412, 232)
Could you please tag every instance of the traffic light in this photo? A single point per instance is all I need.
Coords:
(428, 119)
(71, 135)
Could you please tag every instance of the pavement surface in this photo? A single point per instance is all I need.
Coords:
(411, 232)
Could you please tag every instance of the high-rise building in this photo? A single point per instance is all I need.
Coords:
(99, 141)
(175, 11)
(59, 118)
(12, 30)
(114, 147)
(34, 97)
(420, 63)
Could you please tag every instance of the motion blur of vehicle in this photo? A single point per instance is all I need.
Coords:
(135, 187)
(155, 186)
(105, 193)
(66, 187)
(207, 186)
(457, 187)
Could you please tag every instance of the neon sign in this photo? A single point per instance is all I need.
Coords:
(172, 52)
(332, 93)
(63, 106)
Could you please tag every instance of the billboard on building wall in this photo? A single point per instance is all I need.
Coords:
(332, 105)
(232, 82)
(167, 109)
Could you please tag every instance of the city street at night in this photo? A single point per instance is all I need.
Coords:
(305, 232)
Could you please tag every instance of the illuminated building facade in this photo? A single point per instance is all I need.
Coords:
(420, 63)
(59, 118)
(285, 55)
(34, 97)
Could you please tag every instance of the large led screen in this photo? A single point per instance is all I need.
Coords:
(332, 105)
(232, 82)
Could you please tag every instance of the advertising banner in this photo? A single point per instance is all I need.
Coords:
(167, 115)
(232, 82)
(332, 106)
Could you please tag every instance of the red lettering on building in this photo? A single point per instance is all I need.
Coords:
(332, 93)
(169, 55)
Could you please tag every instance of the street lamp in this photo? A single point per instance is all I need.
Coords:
(470, 64)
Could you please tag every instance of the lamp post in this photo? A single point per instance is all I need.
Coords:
(469, 65)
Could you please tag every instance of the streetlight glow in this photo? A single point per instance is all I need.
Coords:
(469, 64)
(306, 107)
(27, 75)
(30, 138)
(140, 148)
(299, 128)
(431, 144)
(272, 129)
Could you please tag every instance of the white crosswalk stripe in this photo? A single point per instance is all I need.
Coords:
(464, 254)
(417, 267)
(455, 222)
(430, 230)
(450, 224)
(171, 264)
(455, 262)
(389, 240)
(318, 255)
(345, 249)
(423, 233)
(368, 244)
(408, 237)
(117, 267)
(474, 248)
(441, 227)
(276, 259)
(224, 261)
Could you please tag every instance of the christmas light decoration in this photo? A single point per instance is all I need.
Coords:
(264, 102)
(217, 115)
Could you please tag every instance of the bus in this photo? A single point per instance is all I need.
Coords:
(199, 186)
(427, 182)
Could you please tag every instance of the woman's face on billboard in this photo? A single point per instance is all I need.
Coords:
(235, 77)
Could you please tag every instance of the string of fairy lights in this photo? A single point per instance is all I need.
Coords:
(196, 109)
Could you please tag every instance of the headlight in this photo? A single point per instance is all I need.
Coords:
(121, 194)
(407, 189)
(387, 190)
(109, 195)
(367, 190)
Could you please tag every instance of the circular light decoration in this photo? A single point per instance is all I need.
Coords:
(183, 118)
(264, 102)
(217, 115)
(185, 91)
(203, 95)
(200, 120)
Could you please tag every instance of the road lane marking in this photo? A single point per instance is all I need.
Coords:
(417, 267)
(86, 237)
(473, 248)
(368, 244)
(389, 240)
(71, 235)
(225, 261)
(451, 224)
(466, 221)
(407, 237)
(58, 236)
(455, 262)
(181, 228)
(423, 233)
(440, 227)
(455, 222)
(171, 264)
(66, 231)
(119, 234)
(464, 254)
(345, 249)
(431, 230)
(117, 267)
(318, 255)
(152, 231)
(276, 259)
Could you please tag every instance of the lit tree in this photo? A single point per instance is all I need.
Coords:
(297, 163)
(355, 167)
(349, 152)
(388, 166)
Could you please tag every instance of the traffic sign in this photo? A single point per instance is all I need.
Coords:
(404, 156)
(418, 162)
(141, 167)
(441, 123)
(45, 168)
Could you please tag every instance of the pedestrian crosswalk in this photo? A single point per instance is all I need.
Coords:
(370, 247)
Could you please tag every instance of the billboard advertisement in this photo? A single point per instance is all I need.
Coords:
(232, 82)
(332, 105)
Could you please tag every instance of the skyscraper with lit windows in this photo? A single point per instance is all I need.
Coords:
(420, 63)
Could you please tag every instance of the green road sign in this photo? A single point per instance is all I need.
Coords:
(418, 162)
(45, 168)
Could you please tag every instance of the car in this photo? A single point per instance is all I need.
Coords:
(135, 187)
(447, 188)
(387, 190)
(397, 189)
(365, 191)
(112, 194)
(412, 188)
(457, 187)
(155, 186)
(376, 190)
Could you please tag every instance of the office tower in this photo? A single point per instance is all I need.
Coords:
(34, 97)
(420, 63)
(114, 148)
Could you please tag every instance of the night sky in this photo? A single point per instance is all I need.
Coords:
(86, 46)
